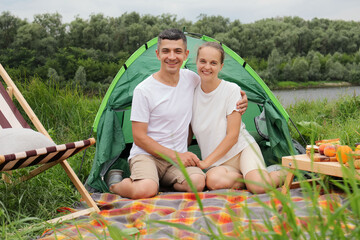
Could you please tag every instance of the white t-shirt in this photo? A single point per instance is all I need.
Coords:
(166, 109)
(209, 120)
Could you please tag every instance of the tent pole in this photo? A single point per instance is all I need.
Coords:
(298, 132)
(83, 157)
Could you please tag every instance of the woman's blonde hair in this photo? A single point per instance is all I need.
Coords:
(213, 45)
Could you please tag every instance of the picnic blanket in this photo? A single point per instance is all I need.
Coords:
(228, 212)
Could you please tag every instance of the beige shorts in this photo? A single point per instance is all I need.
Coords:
(145, 166)
(247, 160)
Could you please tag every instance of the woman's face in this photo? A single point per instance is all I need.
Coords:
(209, 63)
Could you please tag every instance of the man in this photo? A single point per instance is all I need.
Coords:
(161, 114)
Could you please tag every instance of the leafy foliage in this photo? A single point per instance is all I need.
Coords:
(279, 49)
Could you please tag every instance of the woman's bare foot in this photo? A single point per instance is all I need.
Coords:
(239, 184)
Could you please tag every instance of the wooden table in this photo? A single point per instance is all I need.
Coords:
(303, 162)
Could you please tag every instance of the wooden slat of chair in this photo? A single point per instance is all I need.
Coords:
(5, 176)
(14, 91)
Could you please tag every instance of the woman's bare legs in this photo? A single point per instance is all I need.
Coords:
(259, 181)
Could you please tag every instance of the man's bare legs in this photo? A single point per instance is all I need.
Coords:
(198, 181)
(147, 188)
(144, 188)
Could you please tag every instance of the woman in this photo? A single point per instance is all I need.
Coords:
(228, 151)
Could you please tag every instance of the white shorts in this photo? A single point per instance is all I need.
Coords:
(247, 160)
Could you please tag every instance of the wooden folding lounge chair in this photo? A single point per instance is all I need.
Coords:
(47, 157)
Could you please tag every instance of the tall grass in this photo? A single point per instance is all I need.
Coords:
(322, 119)
(66, 111)
(68, 114)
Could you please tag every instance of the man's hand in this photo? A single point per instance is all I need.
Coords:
(242, 104)
(188, 159)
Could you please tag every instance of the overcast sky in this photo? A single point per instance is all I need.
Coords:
(245, 11)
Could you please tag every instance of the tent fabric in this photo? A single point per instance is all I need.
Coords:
(112, 118)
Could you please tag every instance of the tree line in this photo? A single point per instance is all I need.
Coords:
(89, 52)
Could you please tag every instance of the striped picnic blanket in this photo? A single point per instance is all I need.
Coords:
(225, 212)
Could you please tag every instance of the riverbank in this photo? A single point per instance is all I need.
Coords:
(292, 96)
(310, 84)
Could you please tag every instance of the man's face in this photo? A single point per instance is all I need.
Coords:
(172, 54)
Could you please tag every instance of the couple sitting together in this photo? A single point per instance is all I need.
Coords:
(173, 104)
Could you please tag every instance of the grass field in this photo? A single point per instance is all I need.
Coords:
(309, 84)
(68, 114)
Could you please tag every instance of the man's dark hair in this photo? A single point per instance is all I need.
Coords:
(172, 34)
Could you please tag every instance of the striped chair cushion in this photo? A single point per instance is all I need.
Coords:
(42, 155)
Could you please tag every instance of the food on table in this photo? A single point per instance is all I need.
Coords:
(330, 151)
(344, 154)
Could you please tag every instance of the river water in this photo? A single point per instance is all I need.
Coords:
(289, 97)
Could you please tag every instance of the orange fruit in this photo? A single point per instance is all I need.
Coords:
(343, 153)
(357, 153)
(322, 147)
(330, 151)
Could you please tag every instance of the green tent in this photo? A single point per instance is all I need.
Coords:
(265, 118)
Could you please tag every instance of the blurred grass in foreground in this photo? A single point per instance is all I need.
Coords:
(68, 114)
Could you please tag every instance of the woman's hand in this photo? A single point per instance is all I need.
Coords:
(203, 164)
